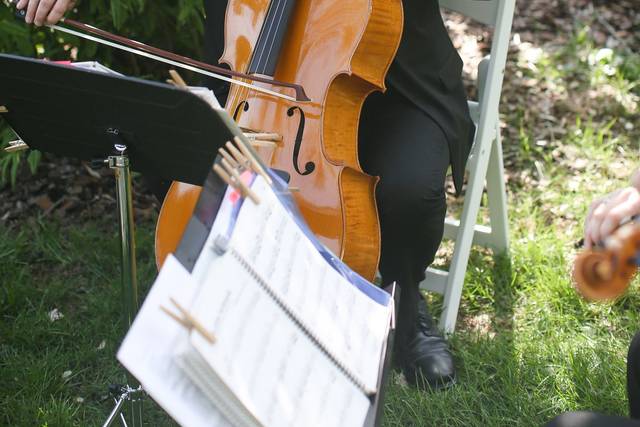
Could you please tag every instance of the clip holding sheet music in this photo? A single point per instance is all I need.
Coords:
(177, 78)
(230, 175)
(188, 321)
(17, 145)
(254, 163)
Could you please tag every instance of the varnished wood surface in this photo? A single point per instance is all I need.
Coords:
(339, 51)
(605, 273)
(174, 216)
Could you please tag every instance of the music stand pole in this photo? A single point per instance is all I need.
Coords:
(132, 392)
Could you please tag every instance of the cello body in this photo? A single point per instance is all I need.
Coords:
(339, 51)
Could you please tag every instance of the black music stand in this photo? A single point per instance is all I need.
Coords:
(155, 128)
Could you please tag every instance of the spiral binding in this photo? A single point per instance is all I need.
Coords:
(306, 330)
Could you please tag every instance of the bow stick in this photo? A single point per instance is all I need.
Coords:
(141, 49)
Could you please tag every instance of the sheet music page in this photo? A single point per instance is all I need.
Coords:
(225, 219)
(349, 323)
(207, 95)
(272, 366)
(148, 351)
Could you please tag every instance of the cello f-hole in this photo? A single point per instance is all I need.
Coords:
(309, 166)
(245, 107)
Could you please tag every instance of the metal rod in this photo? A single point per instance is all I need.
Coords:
(120, 166)
(117, 410)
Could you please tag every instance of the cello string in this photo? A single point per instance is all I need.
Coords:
(275, 6)
(273, 40)
(170, 62)
(270, 36)
(240, 94)
(246, 94)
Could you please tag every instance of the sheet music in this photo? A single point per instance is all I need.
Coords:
(206, 95)
(148, 351)
(263, 361)
(269, 363)
(352, 325)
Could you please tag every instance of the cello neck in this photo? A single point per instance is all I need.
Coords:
(272, 35)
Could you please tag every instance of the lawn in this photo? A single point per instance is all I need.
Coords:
(526, 345)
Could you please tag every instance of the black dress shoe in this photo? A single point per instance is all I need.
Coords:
(424, 355)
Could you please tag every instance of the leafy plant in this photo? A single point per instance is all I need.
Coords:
(174, 25)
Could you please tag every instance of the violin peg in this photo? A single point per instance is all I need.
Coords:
(3, 109)
(294, 189)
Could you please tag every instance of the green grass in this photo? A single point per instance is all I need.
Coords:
(56, 373)
(527, 346)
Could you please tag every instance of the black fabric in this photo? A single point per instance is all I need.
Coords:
(593, 419)
(408, 151)
(633, 377)
(427, 71)
(215, 11)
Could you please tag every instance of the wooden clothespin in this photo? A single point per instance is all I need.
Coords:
(262, 143)
(231, 176)
(3, 109)
(238, 156)
(264, 139)
(188, 321)
(177, 78)
(235, 177)
(255, 164)
(17, 145)
(264, 136)
(229, 157)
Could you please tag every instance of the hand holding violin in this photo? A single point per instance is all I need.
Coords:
(43, 12)
(612, 244)
(606, 213)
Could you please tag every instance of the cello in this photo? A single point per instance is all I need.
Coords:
(339, 51)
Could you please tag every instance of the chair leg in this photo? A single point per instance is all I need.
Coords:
(464, 238)
(496, 194)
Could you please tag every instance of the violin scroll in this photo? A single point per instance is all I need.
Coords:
(605, 272)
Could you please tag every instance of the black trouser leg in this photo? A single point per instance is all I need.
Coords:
(633, 377)
(409, 152)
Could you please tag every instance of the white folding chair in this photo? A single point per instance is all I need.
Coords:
(485, 161)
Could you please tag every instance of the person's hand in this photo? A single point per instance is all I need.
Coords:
(606, 213)
(41, 12)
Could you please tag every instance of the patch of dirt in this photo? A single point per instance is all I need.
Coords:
(70, 191)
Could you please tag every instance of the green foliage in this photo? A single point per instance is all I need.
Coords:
(174, 25)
